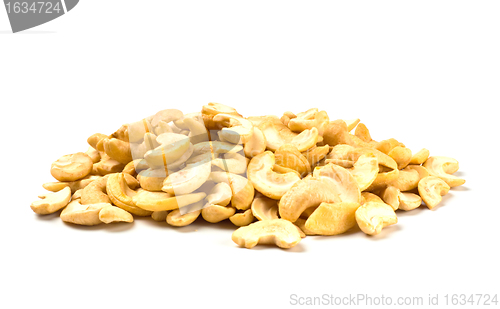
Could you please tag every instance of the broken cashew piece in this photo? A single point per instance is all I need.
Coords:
(242, 218)
(109, 214)
(420, 157)
(52, 202)
(431, 189)
(176, 218)
(279, 232)
(443, 167)
(372, 217)
(409, 201)
(332, 218)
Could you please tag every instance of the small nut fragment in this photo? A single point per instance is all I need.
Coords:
(370, 197)
(71, 167)
(289, 156)
(420, 157)
(409, 201)
(110, 214)
(242, 218)
(159, 216)
(372, 217)
(93, 154)
(332, 218)
(443, 167)
(401, 155)
(107, 166)
(52, 202)
(217, 213)
(390, 196)
(279, 232)
(431, 188)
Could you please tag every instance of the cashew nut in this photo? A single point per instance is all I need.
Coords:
(390, 196)
(409, 201)
(160, 201)
(278, 134)
(187, 179)
(420, 157)
(316, 154)
(77, 213)
(160, 216)
(265, 180)
(372, 217)
(217, 213)
(211, 109)
(118, 150)
(242, 188)
(279, 232)
(332, 218)
(52, 202)
(341, 181)
(220, 194)
(109, 214)
(407, 179)
(178, 218)
(264, 208)
(71, 167)
(73, 185)
(308, 192)
(242, 218)
(431, 188)
(289, 156)
(122, 195)
(443, 167)
(401, 155)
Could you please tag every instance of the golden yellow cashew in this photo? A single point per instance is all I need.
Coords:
(52, 202)
(332, 218)
(279, 232)
(242, 218)
(443, 167)
(71, 167)
(109, 214)
(372, 217)
(431, 188)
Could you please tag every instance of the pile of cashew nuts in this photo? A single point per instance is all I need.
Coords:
(276, 179)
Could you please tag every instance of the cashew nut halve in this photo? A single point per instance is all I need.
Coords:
(51, 202)
(265, 180)
(332, 218)
(77, 213)
(279, 232)
(242, 189)
(443, 167)
(109, 214)
(264, 208)
(372, 217)
(72, 167)
(431, 188)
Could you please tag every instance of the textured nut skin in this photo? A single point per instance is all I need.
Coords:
(72, 167)
(279, 232)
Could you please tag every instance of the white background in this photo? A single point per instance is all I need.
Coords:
(423, 72)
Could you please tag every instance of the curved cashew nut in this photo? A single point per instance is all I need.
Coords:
(277, 134)
(211, 109)
(332, 218)
(231, 162)
(220, 194)
(188, 179)
(264, 208)
(390, 196)
(372, 217)
(152, 179)
(51, 202)
(242, 188)
(341, 181)
(93, 154)
(443, 167)
(365, 170)
(73, 185)
(109, 214)
(161, 201)
(235, 129)
(118, 150)
(431, 188)
(242, 218)
(77, 213)
(256, 144)
(176, 218)
(215, 147)
(279, 232)
(309, 192)
(401, 155)
(308, 120)
(166, 116)
(71, 167)
(289, 156)
(133, 168)
(370, 197)
(420, 157)
(172, 147)
(217, 213)
(95, 138)
(122, 195)
(265, 180)
(407, 179)
(409, 201)
(316, 154)
(107, 166)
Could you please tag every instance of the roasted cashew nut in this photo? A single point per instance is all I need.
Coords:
(443, 167)
(52, 202)
(372, 217)
(279, 232)
(431, 188)
(72, 167)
